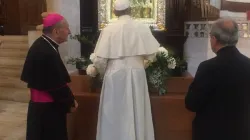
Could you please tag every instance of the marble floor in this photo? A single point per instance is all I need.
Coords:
(12, 120)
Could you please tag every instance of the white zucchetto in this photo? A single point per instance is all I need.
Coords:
(121, 5)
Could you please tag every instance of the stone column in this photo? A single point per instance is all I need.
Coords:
(53, 5)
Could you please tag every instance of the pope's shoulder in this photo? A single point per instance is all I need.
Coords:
(131, 24)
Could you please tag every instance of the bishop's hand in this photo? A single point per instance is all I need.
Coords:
(73, 109)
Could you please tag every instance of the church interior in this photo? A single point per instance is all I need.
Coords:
(182, 26)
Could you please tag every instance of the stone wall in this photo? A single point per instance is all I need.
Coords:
(70, 9)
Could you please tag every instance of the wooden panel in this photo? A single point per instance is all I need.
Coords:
(200, 10)
(234, 6)
(2, 12)
(35, 9)
(18, 15)
(12, 24)
(82, 83)
(23, 8)
(30, 13)
(171, 120)
(175, 16)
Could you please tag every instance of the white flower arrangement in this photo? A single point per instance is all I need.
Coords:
(159, 70)
(93, 57)
(91, 69)
(171, 63)
(163, 50)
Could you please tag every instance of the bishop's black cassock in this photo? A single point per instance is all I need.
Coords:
(45, 73)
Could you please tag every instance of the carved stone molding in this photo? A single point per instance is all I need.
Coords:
(201, 29)
(197, 29)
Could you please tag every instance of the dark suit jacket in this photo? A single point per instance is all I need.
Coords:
(219, 95)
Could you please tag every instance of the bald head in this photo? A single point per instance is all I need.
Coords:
(225, 31)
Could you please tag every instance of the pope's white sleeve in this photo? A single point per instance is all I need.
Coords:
(100, 64)
(151, 57)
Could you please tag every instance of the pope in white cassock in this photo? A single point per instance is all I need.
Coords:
(125, 110)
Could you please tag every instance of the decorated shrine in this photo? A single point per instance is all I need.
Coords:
(150, 12)
(166, 18)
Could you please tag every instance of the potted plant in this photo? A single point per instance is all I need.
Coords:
(81, 64)
(87, 43)
(181, 67)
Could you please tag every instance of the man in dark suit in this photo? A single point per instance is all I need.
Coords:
(219, 94)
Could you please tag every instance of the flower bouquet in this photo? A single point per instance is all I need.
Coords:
(93, 72)
(91, 69)
(158, 71)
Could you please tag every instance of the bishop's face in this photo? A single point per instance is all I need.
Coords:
(63, 32)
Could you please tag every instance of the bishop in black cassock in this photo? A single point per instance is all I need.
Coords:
(47, 78)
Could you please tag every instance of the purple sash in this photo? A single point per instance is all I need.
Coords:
(40, 96)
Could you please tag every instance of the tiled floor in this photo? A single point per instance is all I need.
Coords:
(12, 120)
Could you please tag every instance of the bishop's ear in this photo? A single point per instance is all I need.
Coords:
(56, 32)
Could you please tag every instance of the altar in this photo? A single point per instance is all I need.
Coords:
(172, 121)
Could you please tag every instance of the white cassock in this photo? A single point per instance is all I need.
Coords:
(125, 110)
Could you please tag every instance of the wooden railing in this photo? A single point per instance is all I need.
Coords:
(200, 10)
(235, 6)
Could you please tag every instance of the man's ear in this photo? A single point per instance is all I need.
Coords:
(214, 38)
(55, 31)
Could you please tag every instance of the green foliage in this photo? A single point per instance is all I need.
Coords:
(79, 62)
(83, 39)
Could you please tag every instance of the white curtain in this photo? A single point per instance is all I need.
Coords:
(216, 3)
